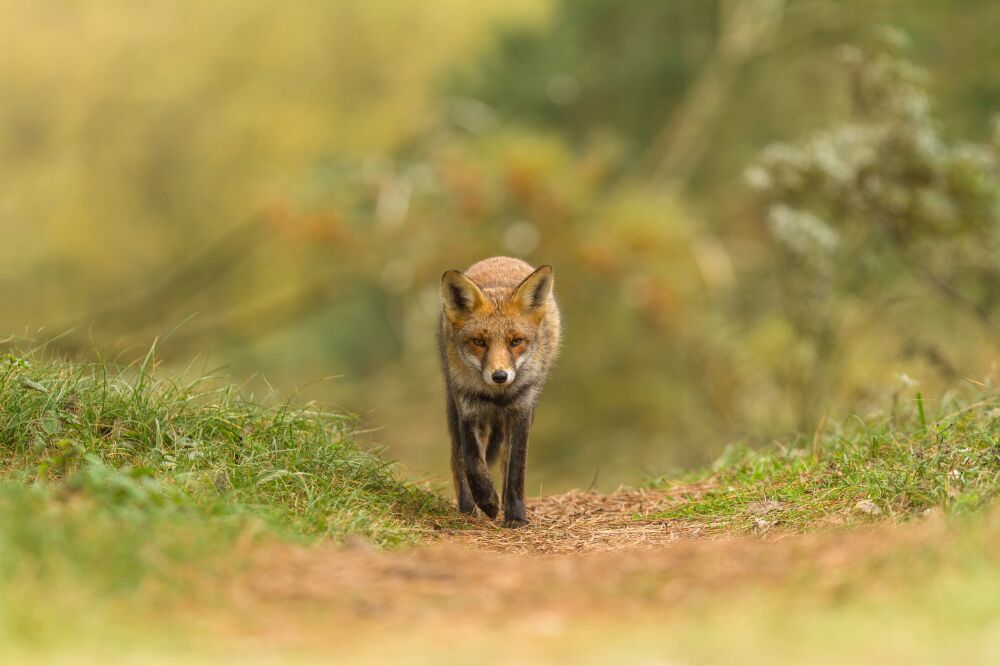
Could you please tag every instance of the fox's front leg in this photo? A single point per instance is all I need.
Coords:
(514, 514)
(463, 495)
(477, 472)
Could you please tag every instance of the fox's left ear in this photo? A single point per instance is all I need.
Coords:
(532, 295)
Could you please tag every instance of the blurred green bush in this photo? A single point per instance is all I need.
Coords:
(279, 190)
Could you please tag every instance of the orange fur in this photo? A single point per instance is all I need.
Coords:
(499, 336)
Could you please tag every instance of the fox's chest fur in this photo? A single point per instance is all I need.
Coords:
(499, 336)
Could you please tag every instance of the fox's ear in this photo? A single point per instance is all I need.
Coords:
(532, 295)
(460, 296)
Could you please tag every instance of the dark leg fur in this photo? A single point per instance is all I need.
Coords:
(477, 472)
(495, 441)
(462, 493)
(514, 513)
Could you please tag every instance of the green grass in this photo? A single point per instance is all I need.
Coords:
(142, 442)
(856, 470)
(119, 486)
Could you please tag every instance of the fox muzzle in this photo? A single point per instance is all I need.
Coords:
(500, 377)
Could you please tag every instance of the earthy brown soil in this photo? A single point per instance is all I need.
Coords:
(584, 557)
(576, 522)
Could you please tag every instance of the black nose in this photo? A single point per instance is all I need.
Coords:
(500, 376)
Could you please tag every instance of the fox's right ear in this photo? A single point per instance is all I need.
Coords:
(460, 296)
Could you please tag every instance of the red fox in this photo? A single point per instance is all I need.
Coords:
(499, 336)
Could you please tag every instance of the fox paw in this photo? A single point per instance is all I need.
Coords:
(491, 509)
(515, 522)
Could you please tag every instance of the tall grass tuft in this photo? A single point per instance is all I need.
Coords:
(140, 441)
(858, 469)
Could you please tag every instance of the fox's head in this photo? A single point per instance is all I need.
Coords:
(495, 331)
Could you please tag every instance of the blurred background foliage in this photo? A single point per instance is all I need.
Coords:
(759, 211)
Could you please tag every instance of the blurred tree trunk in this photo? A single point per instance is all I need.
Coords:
(746, 27)
(748, 30)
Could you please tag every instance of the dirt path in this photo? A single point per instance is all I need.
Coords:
(578, 546)
(575, 543)
(576, 522)
(588, 564)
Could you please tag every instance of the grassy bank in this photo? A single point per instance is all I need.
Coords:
(138, 441)
(120, 485)
(857, 470)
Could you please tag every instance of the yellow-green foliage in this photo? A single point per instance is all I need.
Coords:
(133, 133)
(279, 188)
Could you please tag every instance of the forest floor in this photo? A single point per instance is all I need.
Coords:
(598, 578)
(148, 519)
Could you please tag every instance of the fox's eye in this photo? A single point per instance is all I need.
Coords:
(516, 341)
(479, 342)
